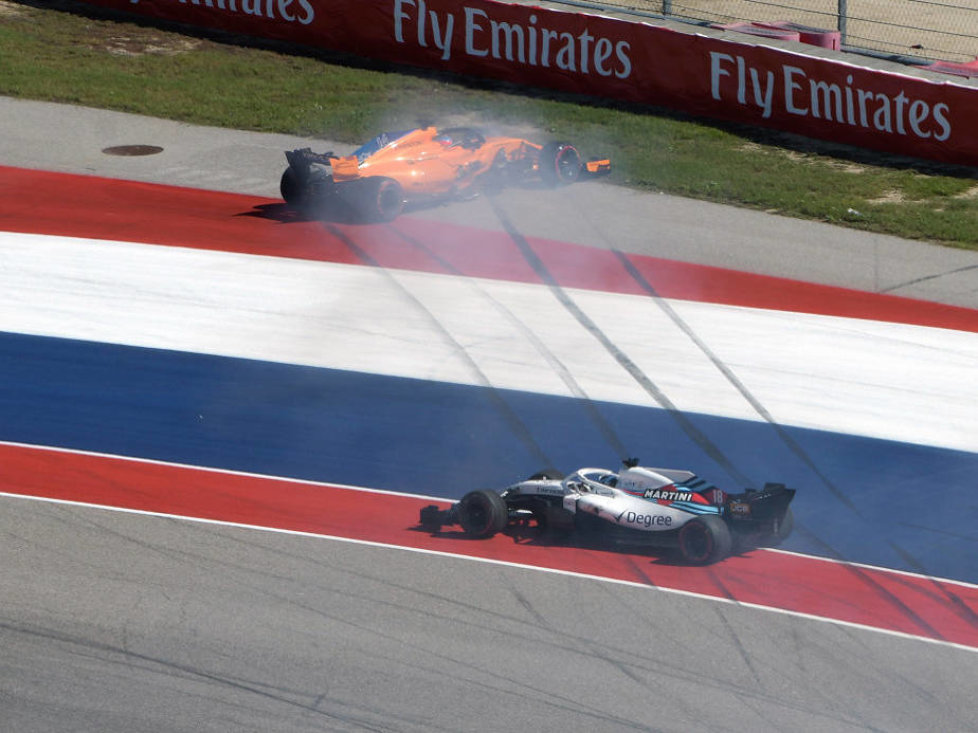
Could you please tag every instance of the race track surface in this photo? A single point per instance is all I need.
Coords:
(185, 612)
(119, 623)
(43, 136)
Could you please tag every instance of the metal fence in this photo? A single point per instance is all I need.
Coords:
(924, 29)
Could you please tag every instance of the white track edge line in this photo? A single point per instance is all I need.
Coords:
(408, 495)
(503, 563)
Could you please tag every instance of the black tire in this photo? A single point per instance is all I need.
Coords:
(705, 540)
(380, 199)
(547, 474)
(560, 164)
(482, 513)
(294, 193)
(308, 192)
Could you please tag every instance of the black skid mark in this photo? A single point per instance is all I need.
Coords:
(516, 424)
(734, 380)
(643, 380)
(565, 375)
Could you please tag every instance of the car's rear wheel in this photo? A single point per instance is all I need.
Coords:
(292, 189)
(306, 191)
(380, 199)
(705, 540)
(482, 513)
(560, 164)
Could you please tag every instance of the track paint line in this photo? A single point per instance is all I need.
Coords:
(223, 471)
(914, 607)
(501, 563)
(876, 568)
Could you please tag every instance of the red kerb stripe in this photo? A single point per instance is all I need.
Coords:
(102, 208)
(929, 608)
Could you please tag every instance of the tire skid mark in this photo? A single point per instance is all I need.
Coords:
(738, 644)
(941, 590)
(927, 278)
(735, 381)
(878, 589)
(793, 446)
(710, 448)
(642, 379)
(565, 375)
(519, 428)
(172, 668)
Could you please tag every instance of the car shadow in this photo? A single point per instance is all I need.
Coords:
(285, 214)
(336, 212)
(666, 556)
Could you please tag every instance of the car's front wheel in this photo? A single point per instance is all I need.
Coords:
(482, 513)
(705, 540)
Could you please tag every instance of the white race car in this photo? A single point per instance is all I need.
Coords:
(660, 507)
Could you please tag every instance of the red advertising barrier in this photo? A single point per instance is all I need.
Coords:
(738, 81)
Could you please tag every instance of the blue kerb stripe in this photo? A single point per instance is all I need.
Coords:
(446, 439)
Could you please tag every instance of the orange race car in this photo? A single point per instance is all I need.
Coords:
(426, 163)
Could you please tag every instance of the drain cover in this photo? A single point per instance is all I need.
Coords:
(133, 150)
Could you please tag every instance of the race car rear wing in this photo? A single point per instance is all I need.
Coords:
(301, 158)
(344, 167)
(760, 505)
